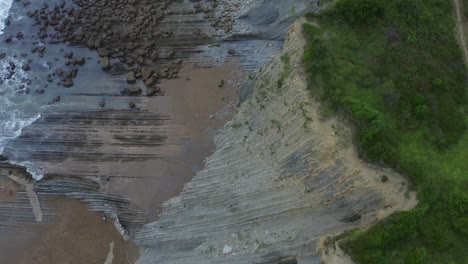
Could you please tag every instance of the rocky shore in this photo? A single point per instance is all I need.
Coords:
(130, 95)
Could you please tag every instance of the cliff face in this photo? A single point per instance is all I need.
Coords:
(280, 178)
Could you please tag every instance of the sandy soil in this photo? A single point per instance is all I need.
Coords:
(75, 236)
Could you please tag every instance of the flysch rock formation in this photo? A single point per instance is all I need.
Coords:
(281, 177)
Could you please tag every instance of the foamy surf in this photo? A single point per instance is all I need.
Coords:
(17, 111)
(5, 6)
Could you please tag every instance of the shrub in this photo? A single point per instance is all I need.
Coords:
(461, 225)
(360, 12)
(371, 122)
(417, 256)
(422, 111)
(384, 178)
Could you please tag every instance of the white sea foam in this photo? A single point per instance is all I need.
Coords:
(16, 112)
(5, 6)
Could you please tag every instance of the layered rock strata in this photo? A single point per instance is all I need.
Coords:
(280, 178)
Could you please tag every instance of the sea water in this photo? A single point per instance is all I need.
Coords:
(16, 110)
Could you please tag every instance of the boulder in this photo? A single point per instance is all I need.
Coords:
(105, 64)
(131, 77)
(80, 60)
(102, 103)
(150, 81)
(103, 52)
(68, 83)
(146, 73)
(12, 65)
(25, 67)
(59, 72)
(138, 74)
(152, 91)
(68, 55)
(131, 91)
(131, 105)
(2, 56)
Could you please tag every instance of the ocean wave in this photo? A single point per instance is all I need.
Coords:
(5, 6)
(16, 110)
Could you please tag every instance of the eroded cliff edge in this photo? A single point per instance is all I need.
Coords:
(281, 177)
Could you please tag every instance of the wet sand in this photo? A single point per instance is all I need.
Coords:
(198, 104)
(75, 236)
(198, 108)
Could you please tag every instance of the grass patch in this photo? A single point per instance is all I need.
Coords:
(396, 68)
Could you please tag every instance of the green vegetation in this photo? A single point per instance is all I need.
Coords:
(396, 68)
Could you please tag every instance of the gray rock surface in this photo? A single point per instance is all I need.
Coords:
(280, 178)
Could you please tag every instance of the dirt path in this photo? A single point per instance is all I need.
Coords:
(461, 29)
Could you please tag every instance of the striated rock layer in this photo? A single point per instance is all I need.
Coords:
(280, 178)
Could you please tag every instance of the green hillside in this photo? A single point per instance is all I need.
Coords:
(395, 67)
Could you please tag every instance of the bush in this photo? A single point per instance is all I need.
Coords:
(422, 111)
(461, 225)
(371, 121)
(417, 256)
(360, 12)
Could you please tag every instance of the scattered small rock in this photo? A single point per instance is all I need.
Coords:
(231, 51)
(40, 91)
